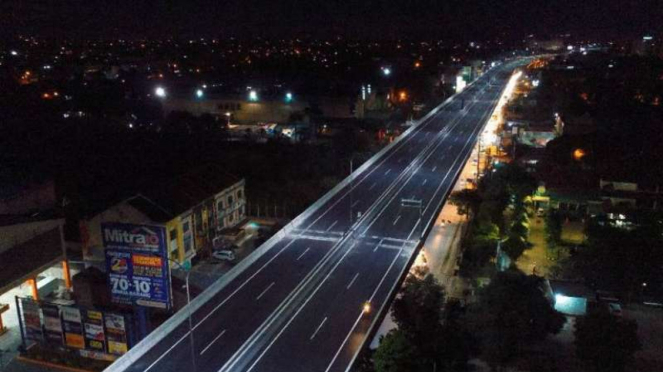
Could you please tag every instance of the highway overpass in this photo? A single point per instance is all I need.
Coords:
(296, 304)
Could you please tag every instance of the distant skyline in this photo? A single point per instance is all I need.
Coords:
(373, 19)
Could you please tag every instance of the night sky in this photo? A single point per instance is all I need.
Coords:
(464, 19)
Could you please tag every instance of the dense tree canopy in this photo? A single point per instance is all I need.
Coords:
(512, 312)
(606, 343)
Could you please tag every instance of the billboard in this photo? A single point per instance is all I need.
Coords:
(73, 327)
(116, 334)
(32, 319)
(94, 331)
(137, 264)
(52, 323)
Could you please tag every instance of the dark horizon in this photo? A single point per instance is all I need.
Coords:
(381, 19)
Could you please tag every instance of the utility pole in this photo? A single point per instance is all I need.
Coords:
(351, 202)
(188, 304)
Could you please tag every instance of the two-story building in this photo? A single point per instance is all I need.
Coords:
(194, 208)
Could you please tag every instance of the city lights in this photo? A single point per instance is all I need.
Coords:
(253, 96)
(578, 154)
(386, 71)
(199, 93)
(288, 97)
(160, 92)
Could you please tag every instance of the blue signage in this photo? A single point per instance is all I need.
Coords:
(137, 264)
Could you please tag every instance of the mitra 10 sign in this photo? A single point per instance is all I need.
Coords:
(137, 264)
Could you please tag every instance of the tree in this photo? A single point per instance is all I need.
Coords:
(514, 246)
(364, 362)
(455, 343)
(396, 353)
(467, 201)
(512, 312)
(621, 260)
(418, 310)
(479, 247)
(553, 228)
(604, 342)
(520, 229)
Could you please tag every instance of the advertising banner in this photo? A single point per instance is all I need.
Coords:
(116, 334)
(94, 331)
(52, 324)
(137, 264)
(32, 319)
(73, 327)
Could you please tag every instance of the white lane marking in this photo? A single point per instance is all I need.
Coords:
(434, 168)
(361, 315)
(355, 203)
(372, 186)
(318, 329)
(423, 183)
(352, 281)
(303, 253)
(213, 341)
(378, 246)
(397, 218)
(292, 318)
(332, 225)
(387, 172)
(265, 291)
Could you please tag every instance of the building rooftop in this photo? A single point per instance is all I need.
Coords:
(181, 193)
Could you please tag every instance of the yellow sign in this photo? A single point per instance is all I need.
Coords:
(117, 348)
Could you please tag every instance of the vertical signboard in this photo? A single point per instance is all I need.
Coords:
(94, 331)
(32, 320)
(116, 334)
(52, 324)
(137, 264)
(73, 327)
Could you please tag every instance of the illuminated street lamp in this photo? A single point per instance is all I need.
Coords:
(367, 307)
(386, 71)
(253, 96)
(288, 97)
(160, 92)
(200, 93)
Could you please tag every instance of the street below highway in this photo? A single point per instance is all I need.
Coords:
(299, 305)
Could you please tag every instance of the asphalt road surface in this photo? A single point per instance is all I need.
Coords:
(299, 307)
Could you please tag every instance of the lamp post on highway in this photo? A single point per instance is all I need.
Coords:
(351, 202)
(188, 303)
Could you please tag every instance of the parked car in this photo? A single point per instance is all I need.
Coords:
(224, 255)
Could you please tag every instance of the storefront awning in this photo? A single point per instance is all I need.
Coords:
(26, 260)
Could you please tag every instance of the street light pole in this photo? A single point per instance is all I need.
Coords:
(351, 202)
(188, 303)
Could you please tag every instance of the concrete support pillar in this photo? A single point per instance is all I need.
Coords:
(66, 274)
(33, 287)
